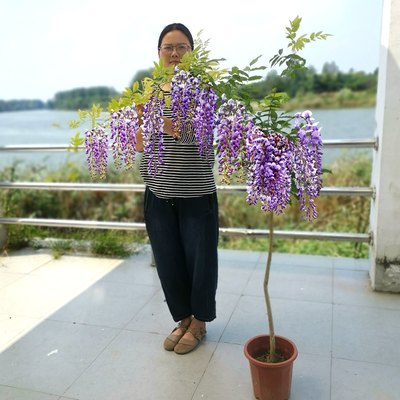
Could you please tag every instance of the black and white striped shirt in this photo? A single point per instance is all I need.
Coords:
(184, 172)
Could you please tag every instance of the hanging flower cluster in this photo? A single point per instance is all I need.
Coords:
(153, 128)
(193, 101)
(96, 143)
(205, 120)
(124, 125)
(232, 127)
(308, 162)
(270, 162)
(185, 91)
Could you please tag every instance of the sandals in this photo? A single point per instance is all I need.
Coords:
(185, 346)
(172, 340)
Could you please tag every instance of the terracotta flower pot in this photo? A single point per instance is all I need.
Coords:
(271, 381)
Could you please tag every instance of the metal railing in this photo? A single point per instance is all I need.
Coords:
(371, 143)
(65, 186)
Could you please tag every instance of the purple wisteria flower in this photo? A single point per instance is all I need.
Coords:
(204, 120)
(270, 162)
(96, 143)
(124, 125)
(308, 162)
(190, 100)
(153, 128)
(185, 92)
(233, 124)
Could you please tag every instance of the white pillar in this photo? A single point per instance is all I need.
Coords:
(385, 208)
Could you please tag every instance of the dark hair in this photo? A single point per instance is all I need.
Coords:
(176, 26)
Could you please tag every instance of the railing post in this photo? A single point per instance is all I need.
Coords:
(385, 208)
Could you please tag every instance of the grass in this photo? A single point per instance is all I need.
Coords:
(344, 98)
(336, 214)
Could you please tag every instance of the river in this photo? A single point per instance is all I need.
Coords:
(51, 127)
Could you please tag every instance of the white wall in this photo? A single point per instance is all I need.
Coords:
(385, 208)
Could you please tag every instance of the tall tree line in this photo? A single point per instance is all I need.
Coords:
(331, 79)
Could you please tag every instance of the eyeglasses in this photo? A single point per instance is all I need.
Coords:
(181, 48)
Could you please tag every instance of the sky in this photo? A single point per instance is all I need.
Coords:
(48, 46)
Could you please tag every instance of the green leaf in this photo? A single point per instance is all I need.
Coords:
(73, 124)
(75, 142)
(295, 24)
(255, 60)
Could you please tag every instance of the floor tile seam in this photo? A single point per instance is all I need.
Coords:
(359, 267)
(352, 269)
(237, 293)
(42, 265)
(69, 322)
(332, 332)
(228, 262)
(288, 298)
(366, 306)
(327, 355)
(372, 363)
(11, 283)
(12, 273)
(138, 330)
(233, 342)
(294, 265)
(40, 317)
(301, 300)
(29, 390)
(127, 284)
(18, 280)
(10, 342)
(204, 370)
(232, 267)
(241, 292)
(37, 321)
(99, 354)
(156, 293)
(230, 317)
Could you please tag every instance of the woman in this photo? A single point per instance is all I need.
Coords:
(181, 215)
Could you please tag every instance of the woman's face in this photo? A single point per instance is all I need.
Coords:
(173, 46)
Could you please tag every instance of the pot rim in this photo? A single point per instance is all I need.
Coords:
(266, 364)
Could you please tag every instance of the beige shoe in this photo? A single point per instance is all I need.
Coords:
(171, 340)
(185, 346)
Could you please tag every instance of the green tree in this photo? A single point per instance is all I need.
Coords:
(140, 75)
(83, 98)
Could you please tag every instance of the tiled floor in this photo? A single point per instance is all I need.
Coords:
(92, 329)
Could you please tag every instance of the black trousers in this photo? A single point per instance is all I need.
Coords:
(183, 234)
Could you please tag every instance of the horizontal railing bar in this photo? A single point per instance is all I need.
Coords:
(327, 191)
(113, 187)
(309, 235)
(334, 236)
(40, 147)
(354, 143)
(68, 223)
(132, 187)
(333, 143)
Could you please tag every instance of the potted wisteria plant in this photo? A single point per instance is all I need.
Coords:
(277, 154)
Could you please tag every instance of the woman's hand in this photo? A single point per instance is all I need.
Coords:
(139, 134)
(168, 128)
(139, 111)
